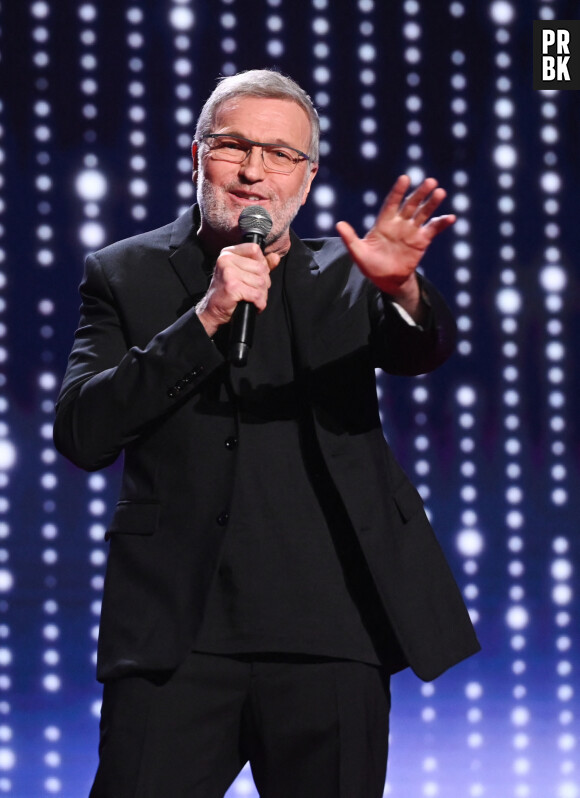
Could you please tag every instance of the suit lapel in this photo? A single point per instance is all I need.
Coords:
(186, 257)
(306, 301)
(300, 282)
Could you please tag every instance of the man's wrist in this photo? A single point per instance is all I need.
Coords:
(210, 325)
(413, 299)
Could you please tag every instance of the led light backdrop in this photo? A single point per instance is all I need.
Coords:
(98, 101)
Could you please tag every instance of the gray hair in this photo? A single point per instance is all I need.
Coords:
(259, 83)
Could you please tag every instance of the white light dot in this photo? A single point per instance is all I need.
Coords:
(566, 742)
(320, 26)
(562, 595)
(475, 740)
(324, 196)
(553, 278)
(369, 149)
(97, 558)
(505, 156)
(275, 48)
(504, 108)
(51, 682)
(52, 759)
(52, 733)
(274, 23)
(325, 220)
(91, 185)
(138, 187)
(459, 130)
(502, 12)
(6, 580)
(48, 481)
(7, 455)
(7, 759)
(509, 300)
(517, 617)
(466, 396)
(520, 716)
(322, 74)
(555, 350)
(506, 204)
(368, 125)
(420, 394)
(416, 174)
(551, 182)
(470, 542)
(92, 234)
(561, 569)
(182, 18)
(367, 52)
(460, 203)
(565, 692)
(97, 507)
(474, 690)
(462, 250)
(411, 30)
(51, 632)
(40, 10)
(413, 55)
(182, 67)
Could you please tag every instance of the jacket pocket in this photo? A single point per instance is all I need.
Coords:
(134, 518)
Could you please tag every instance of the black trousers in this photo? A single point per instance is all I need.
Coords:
(310, 727)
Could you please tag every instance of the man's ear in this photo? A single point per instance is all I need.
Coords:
(195, 159)
(312, 175)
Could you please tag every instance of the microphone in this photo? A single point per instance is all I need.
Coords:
(255, 223)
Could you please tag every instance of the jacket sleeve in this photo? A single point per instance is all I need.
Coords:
(407, 349)
(111, 393)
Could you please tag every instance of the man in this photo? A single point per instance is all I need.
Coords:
(270, 564)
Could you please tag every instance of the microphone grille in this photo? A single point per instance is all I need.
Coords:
(255, 219)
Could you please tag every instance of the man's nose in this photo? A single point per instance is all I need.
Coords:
(252, 167)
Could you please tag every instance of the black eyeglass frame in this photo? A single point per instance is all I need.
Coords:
(262, 144)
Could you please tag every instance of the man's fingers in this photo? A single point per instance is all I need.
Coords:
(350, 238)
(438, 224)
(272, 259)
(429, 206)
(346, 232)
(353, 243)
(421, 194)
(394, 198)
(247, 255)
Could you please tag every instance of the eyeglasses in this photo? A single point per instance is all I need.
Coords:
(236, 149)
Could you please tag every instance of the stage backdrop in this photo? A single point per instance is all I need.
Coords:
(98, 101)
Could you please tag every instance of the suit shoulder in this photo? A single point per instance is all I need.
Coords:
(331, 254)
(158, 240)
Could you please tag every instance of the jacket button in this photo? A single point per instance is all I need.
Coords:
(231, 443)
(223, 518)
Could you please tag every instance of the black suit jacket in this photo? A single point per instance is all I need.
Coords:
(139, 364)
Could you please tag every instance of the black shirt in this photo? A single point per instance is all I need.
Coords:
(291, 578)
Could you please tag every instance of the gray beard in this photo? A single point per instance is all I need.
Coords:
(214, 210)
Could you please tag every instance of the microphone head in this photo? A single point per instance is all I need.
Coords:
(255, 220)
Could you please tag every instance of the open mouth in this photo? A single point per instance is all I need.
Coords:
(247, 197)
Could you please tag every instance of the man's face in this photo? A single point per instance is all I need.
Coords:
(224, 189)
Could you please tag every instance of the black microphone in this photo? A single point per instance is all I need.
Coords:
(255, 223)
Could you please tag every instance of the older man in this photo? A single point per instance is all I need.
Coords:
(270, 564)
